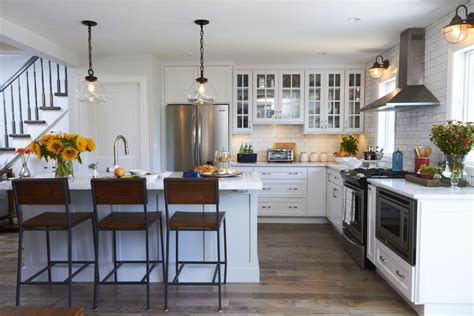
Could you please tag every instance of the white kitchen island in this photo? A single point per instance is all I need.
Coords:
(237, 198)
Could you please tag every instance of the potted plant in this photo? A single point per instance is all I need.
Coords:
(427, 171)
(455, 139)
(64, 149)
(348, 145)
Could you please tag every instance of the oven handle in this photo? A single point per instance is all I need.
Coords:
(354, 188)
(349, 239)
(387, 198)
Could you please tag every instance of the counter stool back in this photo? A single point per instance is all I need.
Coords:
(48, 192)
(181, 191)
(111, 191)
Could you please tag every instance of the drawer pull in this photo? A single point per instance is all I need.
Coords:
(266, 173)
(293, 189)
(383, 259)
(400, 275)
(267, 189)
(292, 207)
(266, 207)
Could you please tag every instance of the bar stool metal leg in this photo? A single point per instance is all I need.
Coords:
(114, 253)
(219, 268)
(167, 268)
(160, 236)
(69, 258)
(48, 252)
(176, 255)
(225, 253)
(18, 270)
(95, 233)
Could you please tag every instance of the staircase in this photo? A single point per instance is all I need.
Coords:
(33, 99)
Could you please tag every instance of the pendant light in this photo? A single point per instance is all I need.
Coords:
(377, 69)
(201, 91)
(91, 90)
(458, 29)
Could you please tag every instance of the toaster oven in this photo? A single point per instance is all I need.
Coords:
(280, 155)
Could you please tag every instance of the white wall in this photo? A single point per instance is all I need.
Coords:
(412, 128)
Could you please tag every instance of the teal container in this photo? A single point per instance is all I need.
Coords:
(397, 160)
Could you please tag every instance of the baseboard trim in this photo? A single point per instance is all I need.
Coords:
(293, 220)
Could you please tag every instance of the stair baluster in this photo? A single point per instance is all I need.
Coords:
(36, 93)
(43, 103)
(50, 85)
(65, 81)
(58, 81)
(28, 95)
(19, 104)
(13, 110)
(6, 145)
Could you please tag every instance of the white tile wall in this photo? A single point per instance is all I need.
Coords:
(264, 136)
(412, 128)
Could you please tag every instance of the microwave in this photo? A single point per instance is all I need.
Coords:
(280, 155)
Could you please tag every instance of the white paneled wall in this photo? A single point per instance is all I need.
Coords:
(412, 128)
(264, 136)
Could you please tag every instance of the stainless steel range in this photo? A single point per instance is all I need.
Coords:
(355, 209)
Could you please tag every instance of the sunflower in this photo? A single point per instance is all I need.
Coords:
(90, 144)
(81, 143)
(55, 146)
(46, 138)
(36, 149)
(69, 153)
(69, 136)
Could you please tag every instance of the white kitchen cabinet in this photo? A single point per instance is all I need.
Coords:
(314, 105)
(335, 199)
(354, 101)
(242, 102)
(371, 203)
(178, 81)
(278, 97)
(317, 181)
(281, 207)
(334, 95)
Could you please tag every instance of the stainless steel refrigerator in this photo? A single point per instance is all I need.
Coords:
(194, 133)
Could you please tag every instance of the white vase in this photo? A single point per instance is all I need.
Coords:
(304, 157)
(313, 157)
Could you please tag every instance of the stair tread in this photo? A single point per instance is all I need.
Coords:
(7, 149)
(60, 94)
(20, 135)
(35, 122)
(50, 108)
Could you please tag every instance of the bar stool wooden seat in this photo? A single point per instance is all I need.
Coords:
(108, 191)
(48, 192)
(180, 191)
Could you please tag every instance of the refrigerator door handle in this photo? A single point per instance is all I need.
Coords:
(194, 140)
(199, 139)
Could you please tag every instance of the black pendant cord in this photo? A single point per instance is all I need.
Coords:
(201, 42)
(90, 71)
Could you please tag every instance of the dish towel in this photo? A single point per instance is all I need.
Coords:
(348, 207)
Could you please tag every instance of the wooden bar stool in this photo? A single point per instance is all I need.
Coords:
(125, 192)
(180, 191)
(48, 192)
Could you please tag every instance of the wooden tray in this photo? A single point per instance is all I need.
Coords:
(432, 183)
(217, 175)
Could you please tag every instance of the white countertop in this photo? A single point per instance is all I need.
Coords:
(246, 181)
(332, 165)
(419, 192)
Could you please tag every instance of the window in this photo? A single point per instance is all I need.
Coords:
(386, 121)
(462, 94)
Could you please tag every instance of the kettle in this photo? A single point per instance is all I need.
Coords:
(397, 160)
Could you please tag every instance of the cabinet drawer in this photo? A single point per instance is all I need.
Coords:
(335, 177)
(282, 173)
(281, 188)
(281, 207)
(397, 271)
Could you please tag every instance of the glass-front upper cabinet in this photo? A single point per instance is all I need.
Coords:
(314, 118)
(291, 110)
(354, 101)
(265, 97)
(334, 101)
(242, 102)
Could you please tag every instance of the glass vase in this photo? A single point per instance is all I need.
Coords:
(24, 171)
(454, 168)
(64, 169)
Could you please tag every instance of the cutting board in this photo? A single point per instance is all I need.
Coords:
(431, 182)
(287, 146)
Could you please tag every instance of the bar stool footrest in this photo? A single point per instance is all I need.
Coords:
(120, 263)
(183, 263)
(51, 264)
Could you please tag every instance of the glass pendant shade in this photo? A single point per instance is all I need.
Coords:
(376, 72)
(456, 33)
(378, 68)
(91, 91)
(201, 92)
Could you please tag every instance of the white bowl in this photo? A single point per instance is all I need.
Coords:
(137, 172)
(351, 162)
(165, 174)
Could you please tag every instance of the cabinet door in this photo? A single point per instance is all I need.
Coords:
(334, 101)
(335, 196)
(317, 191)
(178, 82)
(265, 97)
(354, 101)
(314, 105)
(242, 102)
(291, 109)
(220, 77)
(371, 196)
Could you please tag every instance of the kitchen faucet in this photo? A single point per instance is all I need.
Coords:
(125, 144)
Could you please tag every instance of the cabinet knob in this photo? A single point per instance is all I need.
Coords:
(383, 259)
(400, 275)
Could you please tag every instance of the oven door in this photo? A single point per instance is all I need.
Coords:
(357, 226)
(395, 223)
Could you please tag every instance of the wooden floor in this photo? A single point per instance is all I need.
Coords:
(304, 271)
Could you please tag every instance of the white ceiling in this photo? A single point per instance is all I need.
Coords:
(248, 32)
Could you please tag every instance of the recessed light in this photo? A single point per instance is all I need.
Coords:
(353, 19)
(322, 53)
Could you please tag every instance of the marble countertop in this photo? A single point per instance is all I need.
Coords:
(246, 181)
(419, 192)
(331, 165)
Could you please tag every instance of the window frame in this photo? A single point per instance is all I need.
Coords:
(385, 119)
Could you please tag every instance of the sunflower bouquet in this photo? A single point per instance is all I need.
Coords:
(64, 149)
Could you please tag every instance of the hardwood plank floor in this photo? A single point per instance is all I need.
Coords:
(304, 271)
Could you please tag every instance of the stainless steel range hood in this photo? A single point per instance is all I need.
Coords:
(411, 93)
